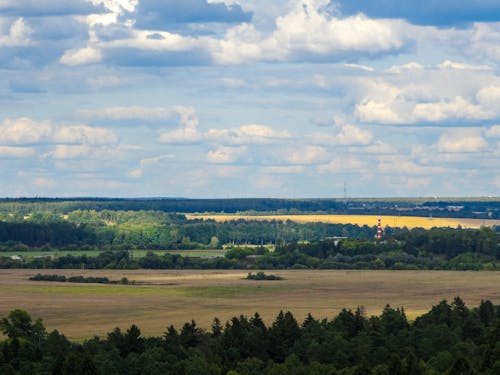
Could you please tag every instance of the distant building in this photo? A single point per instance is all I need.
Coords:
(16, 257)
(45, 256)
(336, 239)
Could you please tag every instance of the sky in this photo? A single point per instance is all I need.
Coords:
(249, 98)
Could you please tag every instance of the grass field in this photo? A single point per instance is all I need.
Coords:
(169, 297)
(135, 253)
(370, 220)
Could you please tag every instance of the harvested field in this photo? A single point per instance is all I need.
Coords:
(169, 297)
(370, 220)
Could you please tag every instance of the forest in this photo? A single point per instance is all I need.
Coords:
(451, 338)
(482, 208)
(434, 249)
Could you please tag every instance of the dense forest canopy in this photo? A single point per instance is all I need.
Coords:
(449, 339)
(483, 208)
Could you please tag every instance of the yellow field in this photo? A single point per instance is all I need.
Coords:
(164, 297)
(370, 220)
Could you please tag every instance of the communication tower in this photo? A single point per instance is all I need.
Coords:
(379, 234)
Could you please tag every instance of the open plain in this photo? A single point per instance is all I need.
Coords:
(370, 220)
(161, 298)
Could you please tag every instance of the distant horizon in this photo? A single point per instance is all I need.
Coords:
(438, 198)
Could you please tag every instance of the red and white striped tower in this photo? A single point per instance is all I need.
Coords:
(379, 229)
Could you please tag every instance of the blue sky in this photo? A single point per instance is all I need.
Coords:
(249, 98)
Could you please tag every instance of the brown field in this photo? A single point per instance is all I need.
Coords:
(173, 297)
(370, 220)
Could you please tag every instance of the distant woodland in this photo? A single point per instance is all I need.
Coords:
(48, 225)
(449, 339)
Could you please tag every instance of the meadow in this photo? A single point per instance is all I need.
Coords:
(135, 253)
(370, 220)
(161, 298)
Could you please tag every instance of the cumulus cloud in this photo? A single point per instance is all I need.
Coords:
(305, 33)
(83, 134)
(225, 154)
(246, 134)
(146, 163)
(81, 56)
(493, 131)
(283, 169)
(16, 152)
(462, 140)
(25, 131)
(413, 94)
(186, 115)
(17, 35)
(344, 135)
(403, 165)
(343, 164)
(305, 155)
(183, 135)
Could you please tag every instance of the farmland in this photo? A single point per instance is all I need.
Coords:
(161, 298)
(370, 220)
(135, 253)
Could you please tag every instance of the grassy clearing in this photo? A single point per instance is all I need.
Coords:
(134, 290)
(174, 297)
(135, 253)
(370, 220)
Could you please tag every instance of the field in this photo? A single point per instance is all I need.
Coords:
(161, 298)
(370, 220)
(135, 253)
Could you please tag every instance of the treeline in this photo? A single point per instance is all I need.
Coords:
(434, 249)
(449, 339)
(487, 208)
(116, 230)
(79, 279)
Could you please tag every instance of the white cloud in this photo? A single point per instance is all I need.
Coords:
(16, 152)
(83, 134)
(306, 32)
(72, 151)
(44, 182)
(361, 67)
(24, 131)
(489, 97)
(405, 68)
(148, 162)
(461, 140)
(344, 135)
(413, 94)
(183, 135)
(448, 64)
(402, 165)
(18, 35)
(344, 164)
(305, 155)
(81, 56)
(187, 115)
(493, 131)
(283, 169)
(246, 134)
(225, 154)
(456, 108)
